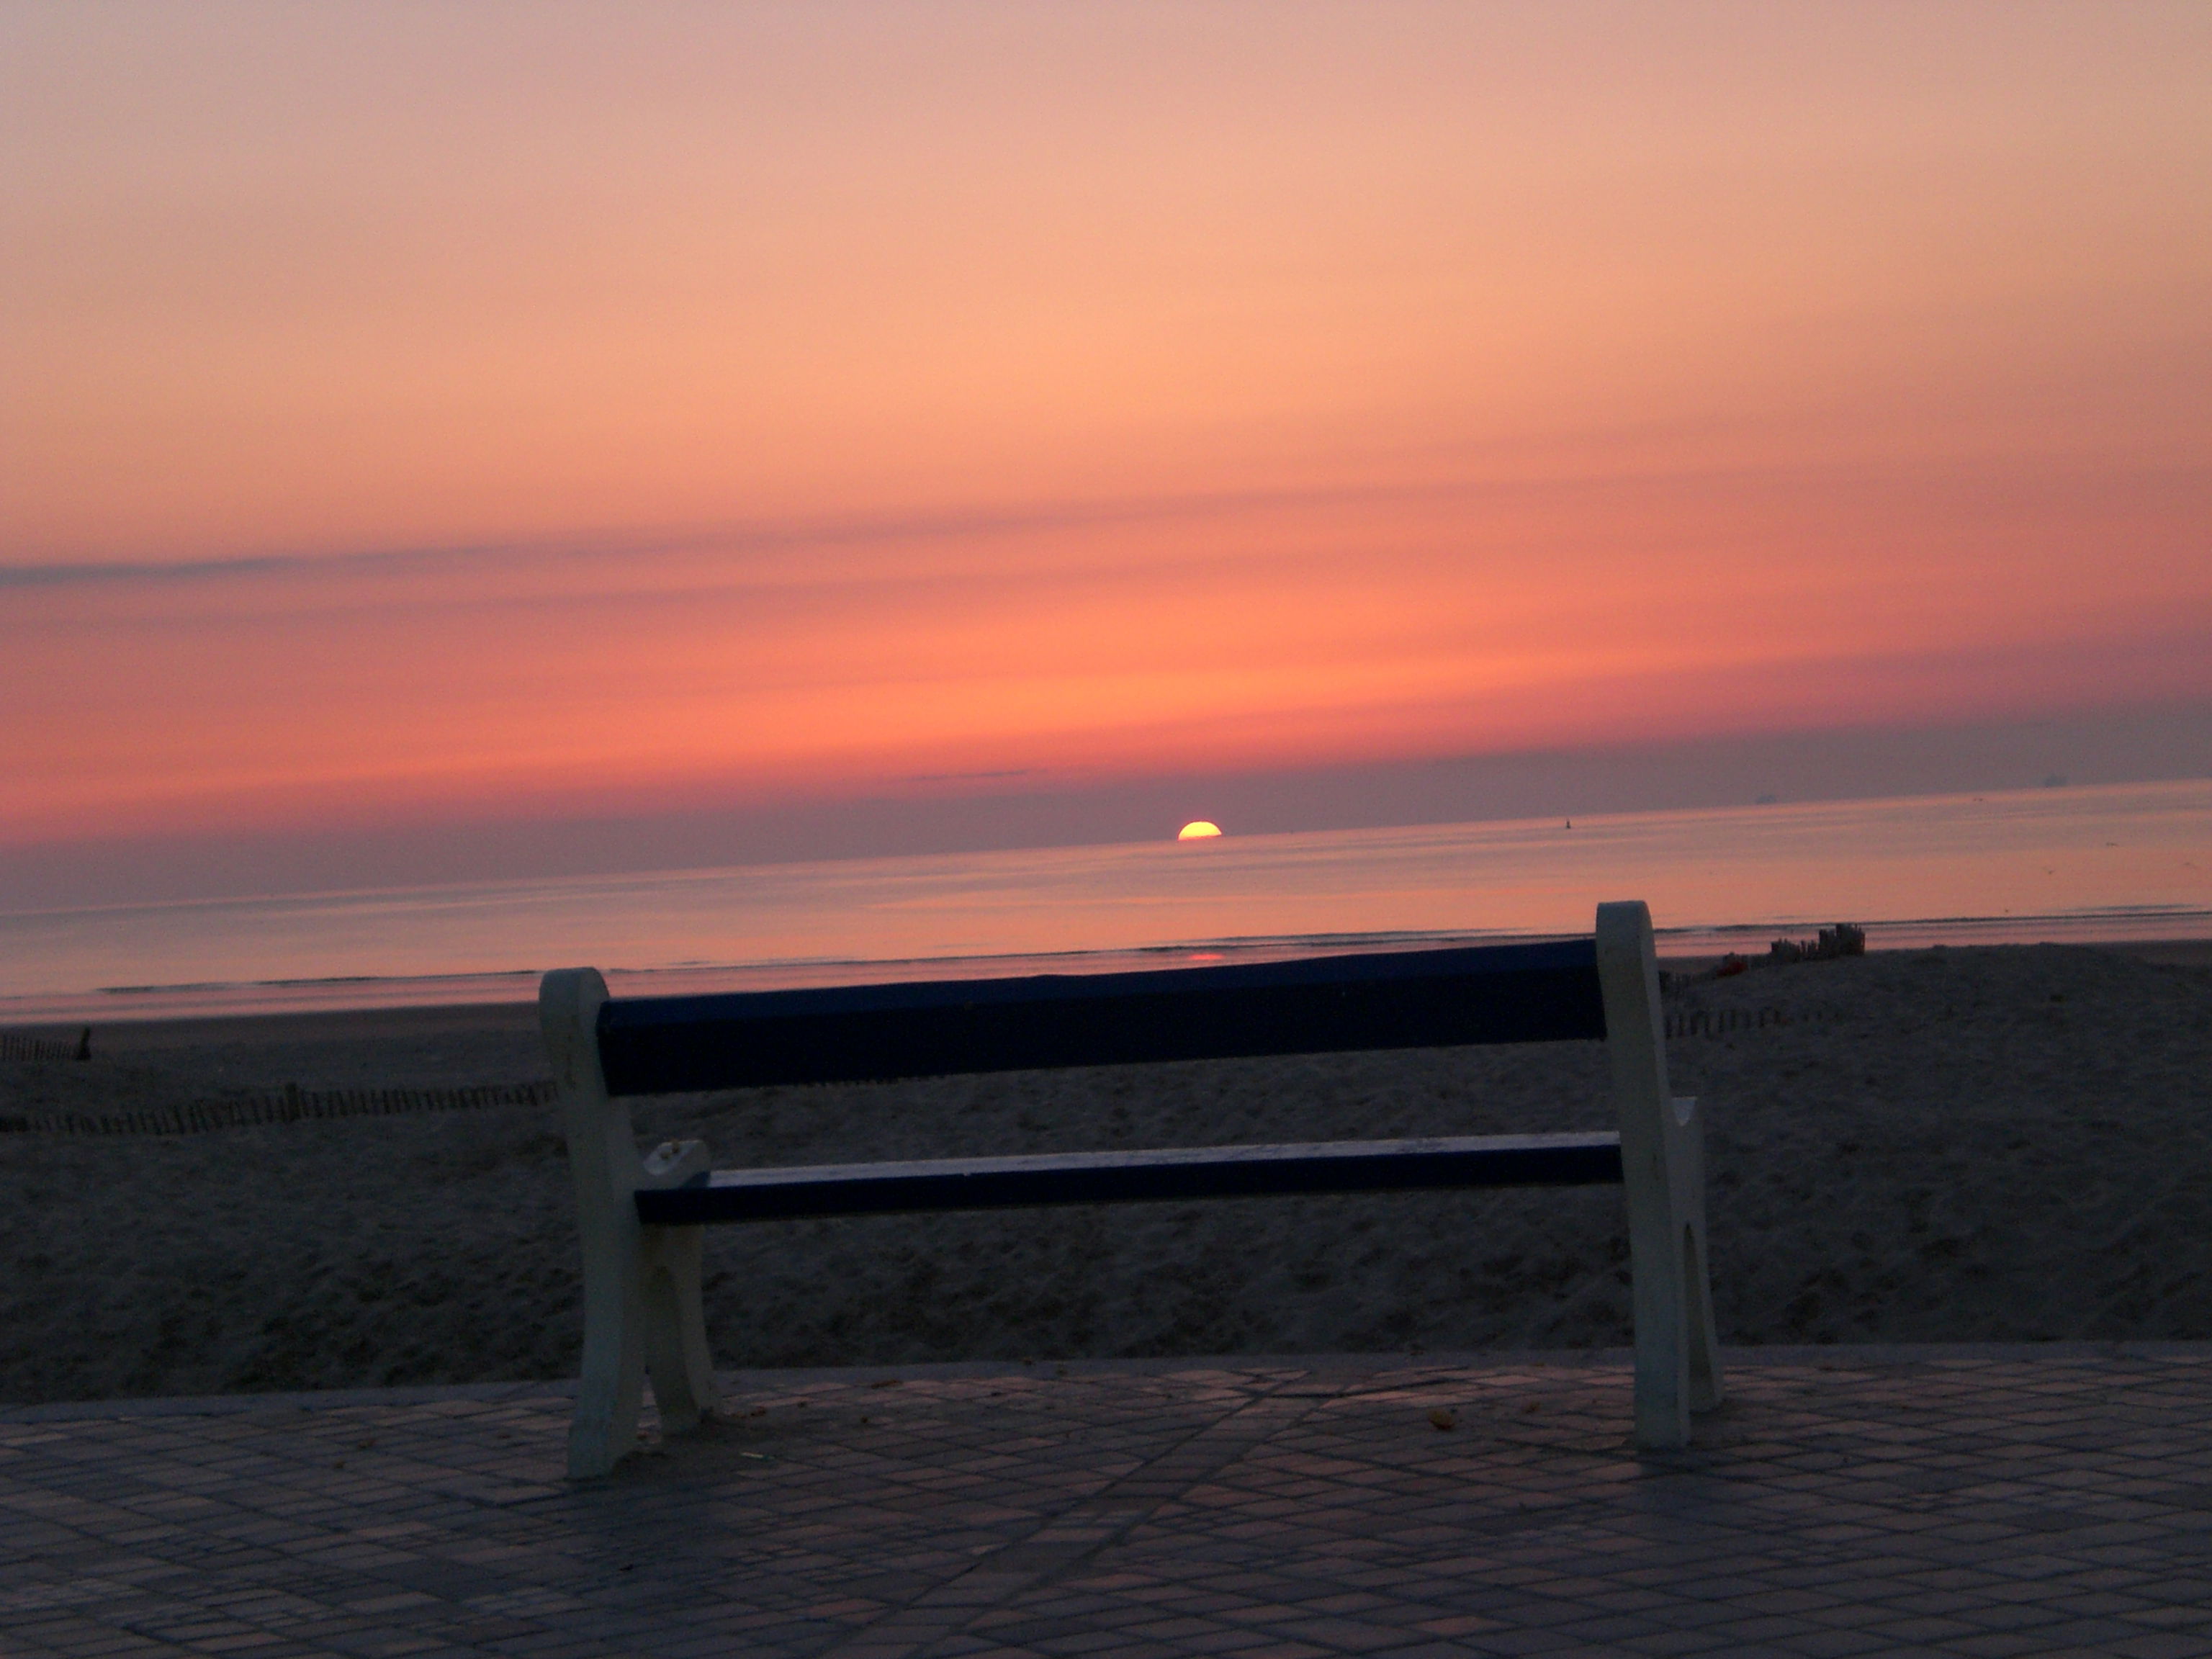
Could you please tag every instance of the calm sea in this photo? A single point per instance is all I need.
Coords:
(2121, 862)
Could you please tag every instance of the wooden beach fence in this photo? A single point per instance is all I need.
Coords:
(292, 1105)
(1722, 1022)
(16, 1046)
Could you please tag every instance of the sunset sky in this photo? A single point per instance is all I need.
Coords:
(441, 442)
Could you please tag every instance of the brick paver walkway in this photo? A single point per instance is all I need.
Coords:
(1980, 1502)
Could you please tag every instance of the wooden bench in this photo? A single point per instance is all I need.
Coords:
(642, 1218)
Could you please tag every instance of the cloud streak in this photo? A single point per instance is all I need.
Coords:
(1289, 631)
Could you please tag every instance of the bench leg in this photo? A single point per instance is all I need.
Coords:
(675, 1326)
(1701, 1343)
(641, 1301)
(612, 1388)
(1662, 1155)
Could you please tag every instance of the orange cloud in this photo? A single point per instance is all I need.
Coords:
(1265, 633)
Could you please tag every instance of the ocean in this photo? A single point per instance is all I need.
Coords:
(2116, 862)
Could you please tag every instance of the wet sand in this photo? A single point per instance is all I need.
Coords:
(2004, 1143)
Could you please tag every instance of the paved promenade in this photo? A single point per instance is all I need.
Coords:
(1979, 1501)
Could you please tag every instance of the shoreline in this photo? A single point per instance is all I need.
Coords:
(2121, 862)
(413, 1021)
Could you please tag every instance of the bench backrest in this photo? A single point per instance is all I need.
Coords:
(1317, 1005)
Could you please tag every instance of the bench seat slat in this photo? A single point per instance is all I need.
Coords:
(1543, 993)
(1175, 1172)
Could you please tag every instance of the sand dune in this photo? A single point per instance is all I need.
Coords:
(1986, 1143)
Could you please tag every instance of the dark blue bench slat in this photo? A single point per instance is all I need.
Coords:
(992, 1183)
(1321, 1005)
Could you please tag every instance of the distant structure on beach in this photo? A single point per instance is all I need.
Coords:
(1841, 940)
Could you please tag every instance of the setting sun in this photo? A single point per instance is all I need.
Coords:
(1197, 830)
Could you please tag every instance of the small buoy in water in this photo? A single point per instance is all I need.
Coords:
(1571, 823)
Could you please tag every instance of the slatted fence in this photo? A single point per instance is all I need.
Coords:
(16, 1046)
(294, 1105)
(1722, 1022)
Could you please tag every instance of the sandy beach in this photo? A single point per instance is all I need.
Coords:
(1989, 1143)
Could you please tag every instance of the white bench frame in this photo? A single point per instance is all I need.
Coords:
(643, 1311)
